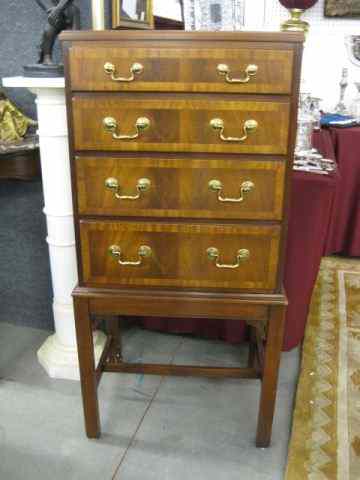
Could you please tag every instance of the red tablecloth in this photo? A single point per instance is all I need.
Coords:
(322, 140)
(344, 229)
(311, 206)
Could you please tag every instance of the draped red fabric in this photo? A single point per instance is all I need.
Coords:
(311, 203)
(311, 210)
(344, 230)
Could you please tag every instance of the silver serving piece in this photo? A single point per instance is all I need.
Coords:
(312, 161)
(352, 43)
(307, 158)
(341, 107)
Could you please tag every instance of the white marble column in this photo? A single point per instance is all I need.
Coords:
(58, 355)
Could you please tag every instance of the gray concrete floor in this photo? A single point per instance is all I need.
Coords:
(153, 428)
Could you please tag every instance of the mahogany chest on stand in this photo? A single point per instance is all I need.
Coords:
(181, 147)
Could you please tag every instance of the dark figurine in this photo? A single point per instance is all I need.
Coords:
(62, 15)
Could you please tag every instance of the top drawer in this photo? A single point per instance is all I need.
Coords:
(249, 68)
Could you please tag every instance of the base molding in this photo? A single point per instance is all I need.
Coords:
(180, 304)
(61, 361)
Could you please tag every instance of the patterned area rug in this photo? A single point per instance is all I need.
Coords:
(325, 441)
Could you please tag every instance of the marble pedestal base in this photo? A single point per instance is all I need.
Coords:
(61, 361)
(58, 355)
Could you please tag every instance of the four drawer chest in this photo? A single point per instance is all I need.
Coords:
(181, 147)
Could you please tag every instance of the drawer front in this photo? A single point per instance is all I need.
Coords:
(250, 69)
(180, 255)
(188, 124)
(173, 187)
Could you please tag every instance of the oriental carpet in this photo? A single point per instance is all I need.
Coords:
(325, 440)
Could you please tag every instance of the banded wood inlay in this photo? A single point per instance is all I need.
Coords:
(179, 254)
(180, 187)
(184, 69)
(181, 123)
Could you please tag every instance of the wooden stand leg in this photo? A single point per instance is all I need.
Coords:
(85, 345)
(113, 329)
(270, 374)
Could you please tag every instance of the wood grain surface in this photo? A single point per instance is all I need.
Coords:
(181, 123)
(179, 254)
(180, 187)
(182, 68)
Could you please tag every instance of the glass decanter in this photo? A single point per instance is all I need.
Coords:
(316, 113)
(304, 125)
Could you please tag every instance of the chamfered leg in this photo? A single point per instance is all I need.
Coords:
(85, 343)
(275, 334)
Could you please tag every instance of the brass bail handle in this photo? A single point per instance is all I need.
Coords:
(135, 69)
(248, 127)
(110, 125)
(242, 255)
(143, 185)
(246, 187)
(144, 251)
(250, 71)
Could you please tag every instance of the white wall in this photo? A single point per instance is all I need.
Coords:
(167, 8)
(325, 53)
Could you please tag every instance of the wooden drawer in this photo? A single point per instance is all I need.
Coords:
(182, 69)
(180, 187)
(181, 123)
(179, 256)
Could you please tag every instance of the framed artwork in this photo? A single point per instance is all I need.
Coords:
(136, 14)
(213, 15)
(342, 8)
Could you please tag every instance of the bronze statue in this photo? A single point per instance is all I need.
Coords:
(61, 15)
(13, 123)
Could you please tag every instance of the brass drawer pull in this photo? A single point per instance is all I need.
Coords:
(143, 185)
(217, 186)
(241, 256)
(250, 71)
(110, 125)
(135, 69)
(143, 252)
(249, 126)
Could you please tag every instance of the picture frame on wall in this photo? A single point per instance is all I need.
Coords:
(137, 14)
(342, 8)
(214, 15)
